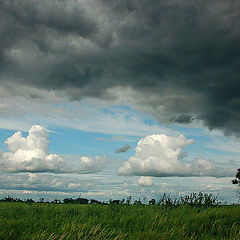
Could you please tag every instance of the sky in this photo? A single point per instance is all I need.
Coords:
(106, 99)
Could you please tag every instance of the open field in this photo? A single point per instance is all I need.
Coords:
(68, 221)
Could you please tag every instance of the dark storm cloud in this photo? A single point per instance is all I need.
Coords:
(180, 58)
(183, 119)
(58, 15)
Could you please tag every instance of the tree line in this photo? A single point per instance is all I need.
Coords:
(193, 199)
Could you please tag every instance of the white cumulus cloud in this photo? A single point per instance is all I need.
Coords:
(30, 154)
(145, 181)
(161, 155)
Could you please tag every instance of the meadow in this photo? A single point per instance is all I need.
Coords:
(135, 221)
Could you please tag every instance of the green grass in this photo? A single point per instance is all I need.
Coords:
(67, 221)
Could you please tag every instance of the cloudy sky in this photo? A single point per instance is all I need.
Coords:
(107, 99)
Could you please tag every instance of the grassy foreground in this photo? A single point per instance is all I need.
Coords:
(67, 221)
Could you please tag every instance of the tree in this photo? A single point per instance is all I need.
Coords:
(152, 201)
(41, 200)
(81, 201)
(237, 178)
(114, 201)
(137, 202)
(29, 201)
(93, 201)
(128, 201)
(56, 201)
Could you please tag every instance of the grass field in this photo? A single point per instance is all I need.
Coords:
(68, 221)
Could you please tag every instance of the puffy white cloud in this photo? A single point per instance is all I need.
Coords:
(145, 181)
(30, 154)
(160, 155)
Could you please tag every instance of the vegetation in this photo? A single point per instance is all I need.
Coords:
(236, 180)
(197, 216)
(194, 199)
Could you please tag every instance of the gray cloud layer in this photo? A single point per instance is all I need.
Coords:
(179, 58)
(122, 149)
